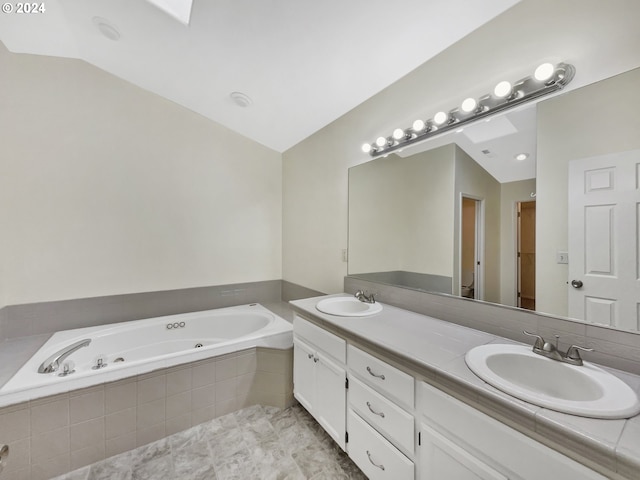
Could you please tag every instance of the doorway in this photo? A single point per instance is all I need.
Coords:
(471, 248)
(526, 254)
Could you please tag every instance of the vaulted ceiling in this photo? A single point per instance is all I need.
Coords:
(302, 63)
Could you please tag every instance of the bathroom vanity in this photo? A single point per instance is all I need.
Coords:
(393, 390)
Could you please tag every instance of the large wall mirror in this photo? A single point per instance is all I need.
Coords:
(536, 208)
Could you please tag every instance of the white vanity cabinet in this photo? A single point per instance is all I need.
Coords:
(380, 425)
(319, 376)
(458, 441)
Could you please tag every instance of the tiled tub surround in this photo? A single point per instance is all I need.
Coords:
(147, 345)
(433, 350)
(57, 434)
(25, 328)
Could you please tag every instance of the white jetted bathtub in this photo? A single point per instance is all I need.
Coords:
(118, 350)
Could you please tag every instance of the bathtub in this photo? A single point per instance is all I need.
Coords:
(131, 348)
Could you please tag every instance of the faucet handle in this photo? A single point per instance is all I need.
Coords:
(573, 353)
(540, 342)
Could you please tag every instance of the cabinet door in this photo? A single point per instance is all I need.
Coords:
(304, 374)
(440, 459)
(331, 398)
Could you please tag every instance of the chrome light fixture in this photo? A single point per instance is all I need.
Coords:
(547, 79)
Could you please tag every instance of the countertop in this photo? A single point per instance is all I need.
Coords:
(436, 349)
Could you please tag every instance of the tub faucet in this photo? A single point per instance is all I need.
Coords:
(52, 363)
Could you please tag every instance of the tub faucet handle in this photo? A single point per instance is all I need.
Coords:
(67, 369)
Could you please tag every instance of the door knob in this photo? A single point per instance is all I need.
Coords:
(576, 283)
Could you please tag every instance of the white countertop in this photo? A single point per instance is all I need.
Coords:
(436, 349)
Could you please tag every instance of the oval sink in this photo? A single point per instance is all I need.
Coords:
(347, 307)
(586, 390)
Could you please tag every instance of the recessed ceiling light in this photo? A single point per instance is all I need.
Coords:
(240, 99)
(521, 156)
(106, 28)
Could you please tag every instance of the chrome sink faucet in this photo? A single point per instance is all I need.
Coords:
(549, 350)
(52, 363)
(363, 297)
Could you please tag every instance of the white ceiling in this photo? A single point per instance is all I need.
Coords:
(303, 63)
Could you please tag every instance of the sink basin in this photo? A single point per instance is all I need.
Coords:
(347, 307)
(586, 390)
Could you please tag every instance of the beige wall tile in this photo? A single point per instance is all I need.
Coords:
(86, 406)
(120, 395)
(121, 444)
(87, 456)
(50, 416)
(203, 374)
(150, 414)
(225, 389)
(247, 363)
(86, 434)
(226, 368)
(204, 414)
(178, 405)
(51, 468)
(151, 388)
(178, 424)
(19, 456)
(120, 423)
(22, 474)
(151, 434)
(52, 398)
(15, 425)
(203, 397)
(227, 406)
(50, 445)
(178, 381)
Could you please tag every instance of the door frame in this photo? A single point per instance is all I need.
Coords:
(478, 270)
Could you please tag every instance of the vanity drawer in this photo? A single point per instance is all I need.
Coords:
(325, 341)
(386, 417)
(382, 376)
(376, 457)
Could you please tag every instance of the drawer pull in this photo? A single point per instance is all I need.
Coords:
(381, 377)
(315, 359)
(381, 414)
(381, 467)
(310, 355)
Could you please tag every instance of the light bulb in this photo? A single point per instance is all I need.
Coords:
(398, 134)
(440, 117)
(522, 156)
(366, 147)
(503, 89)
(418, 126)
(469, 105)
(381, 141)
(544, 72)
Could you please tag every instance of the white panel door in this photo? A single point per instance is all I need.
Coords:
(441, 459)
(331, 398)
(603, 282)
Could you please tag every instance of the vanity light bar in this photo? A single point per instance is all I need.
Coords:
(546, 79)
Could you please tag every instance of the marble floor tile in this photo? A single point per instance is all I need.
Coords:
(261, 443)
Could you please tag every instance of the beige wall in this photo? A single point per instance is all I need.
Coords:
(510, 194)
(597, 119)
(377, 219)
(315, 190)
(473, 181)
(107, 189)
(429, 205)
(401, 214)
